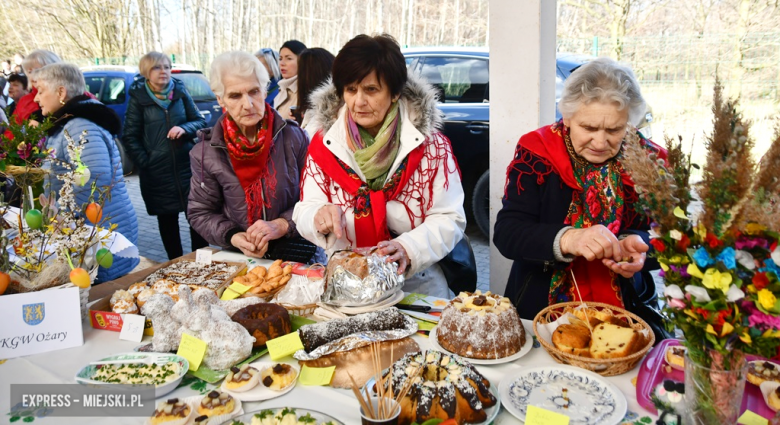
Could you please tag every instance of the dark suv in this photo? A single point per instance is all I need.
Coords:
(110, 83)
(461, 75)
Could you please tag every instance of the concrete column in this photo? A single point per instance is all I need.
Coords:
(522, 94)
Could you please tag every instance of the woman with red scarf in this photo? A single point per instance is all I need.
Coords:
(246, 169)
(379, 171)
(568, 218)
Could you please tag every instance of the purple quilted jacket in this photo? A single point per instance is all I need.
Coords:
(217, 205)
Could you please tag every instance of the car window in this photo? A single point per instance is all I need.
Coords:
(114, 93)
(461, 80)
(94, 83)
(198, 86)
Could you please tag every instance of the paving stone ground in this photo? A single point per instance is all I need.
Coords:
(150, 245)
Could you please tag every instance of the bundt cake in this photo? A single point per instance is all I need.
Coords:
(264, 321)
(480, 326)
(445, 387)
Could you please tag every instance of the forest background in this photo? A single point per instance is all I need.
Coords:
(676, 47)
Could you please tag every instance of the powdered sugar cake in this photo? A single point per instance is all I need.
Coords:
(211, 276)
(481, 326)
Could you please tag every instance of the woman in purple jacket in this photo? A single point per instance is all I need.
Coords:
(246, 169)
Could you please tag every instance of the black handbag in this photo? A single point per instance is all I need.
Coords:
(295, 249)
(460, 267)
(645, 306)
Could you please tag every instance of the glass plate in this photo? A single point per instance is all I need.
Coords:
(321, 418)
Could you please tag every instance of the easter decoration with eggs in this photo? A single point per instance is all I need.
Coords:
(721, 265)
(53, 241)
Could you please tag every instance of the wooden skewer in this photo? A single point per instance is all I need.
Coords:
(359, 396)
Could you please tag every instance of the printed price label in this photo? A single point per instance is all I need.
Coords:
(132, 327)
(234, 291)
(192, 349)
(203, 256)
(750, 418)
(316, 375)
(538, 416)
(284, 345)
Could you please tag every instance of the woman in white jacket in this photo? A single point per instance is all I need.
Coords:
(379, 172)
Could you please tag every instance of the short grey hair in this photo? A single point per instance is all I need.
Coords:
(149, 61)
(38, 59)
(237, 64)
(65, 75)
(603, 80)
(272, 59)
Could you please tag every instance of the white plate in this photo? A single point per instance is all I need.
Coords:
(261, 392)
(246, 418)
(393, 300)
(492, 412)
(591, 398)
(85, 374)
(525, 349)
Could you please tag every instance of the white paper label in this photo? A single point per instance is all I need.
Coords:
(37, 322)
(203, 256)
(132, 327)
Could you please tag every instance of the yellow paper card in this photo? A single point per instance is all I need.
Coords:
(234, 291)
(284, 345)
(538, 416)
(192, 349)
(316, 375)
(750, 418)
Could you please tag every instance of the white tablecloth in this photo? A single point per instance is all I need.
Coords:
(61, 366)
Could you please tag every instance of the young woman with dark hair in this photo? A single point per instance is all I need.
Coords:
(314, 67)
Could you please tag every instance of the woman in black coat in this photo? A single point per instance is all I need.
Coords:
(161, 123)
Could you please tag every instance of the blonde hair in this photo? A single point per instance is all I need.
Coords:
(237, 64)
(603, 80)
(150, 60)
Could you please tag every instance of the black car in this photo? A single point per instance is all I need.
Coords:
(461, 75)
(109, 84)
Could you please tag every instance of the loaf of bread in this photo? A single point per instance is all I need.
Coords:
(572, 339)
(612, 341)
(351, 261)
(318, 334)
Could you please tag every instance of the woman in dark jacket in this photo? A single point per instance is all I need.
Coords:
(161, 123)
(569, 219)
(246, 171)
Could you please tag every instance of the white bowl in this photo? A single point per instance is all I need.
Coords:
(85, 374)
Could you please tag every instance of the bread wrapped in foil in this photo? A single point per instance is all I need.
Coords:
(360, 277)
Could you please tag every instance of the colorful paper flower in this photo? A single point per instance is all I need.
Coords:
(760, 280)
(674, 291)
(658, 245)
(698, 293)
(702, 258)
(767, 299)
(745, 259)
(694, 271)
(727, 258)
(713, 279)
(734, 294)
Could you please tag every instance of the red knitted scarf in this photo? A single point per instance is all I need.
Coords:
(251, 164)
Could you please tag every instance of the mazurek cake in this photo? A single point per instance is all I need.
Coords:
(481, 326)
(442, 386)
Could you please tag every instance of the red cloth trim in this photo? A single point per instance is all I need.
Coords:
(371, 227)
(26, 107)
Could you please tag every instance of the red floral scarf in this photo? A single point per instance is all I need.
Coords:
(251, 164)
(600, 195)
(370, 205)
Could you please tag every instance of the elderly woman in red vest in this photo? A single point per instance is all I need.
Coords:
(569, 219)
(379, 172)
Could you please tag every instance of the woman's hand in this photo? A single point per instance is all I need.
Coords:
(175, 132)
(261, 232)
(634, 254)
(395, 252)
(241, 241)
(330, 219)
(594, 243)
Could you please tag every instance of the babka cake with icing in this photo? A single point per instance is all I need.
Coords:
(480, 326)
(443, 386)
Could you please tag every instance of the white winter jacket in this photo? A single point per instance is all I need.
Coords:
(435, 205)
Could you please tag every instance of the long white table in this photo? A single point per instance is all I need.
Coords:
(60, 367)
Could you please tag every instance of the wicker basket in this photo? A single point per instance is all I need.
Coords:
(265, 295)
(604, 367)
(33, 173)
(300, 310)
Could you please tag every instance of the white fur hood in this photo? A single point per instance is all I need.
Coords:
(418, 96)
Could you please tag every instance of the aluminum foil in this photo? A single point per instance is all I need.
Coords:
(359, 339)
(344, 289)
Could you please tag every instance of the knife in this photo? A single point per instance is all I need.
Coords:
(412, 307)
